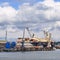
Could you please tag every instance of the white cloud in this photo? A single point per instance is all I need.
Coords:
(58, 23)
(7, 13)
(56, 34)
(49, 2)
(47, 10)
(41, 13)
(11, 28)
(55, 11)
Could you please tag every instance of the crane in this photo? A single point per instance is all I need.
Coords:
(29, 32)
(48, 37)
(23, 39)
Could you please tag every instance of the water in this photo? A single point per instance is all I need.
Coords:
(33, 55)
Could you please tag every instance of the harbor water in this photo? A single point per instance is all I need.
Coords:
(32, 55)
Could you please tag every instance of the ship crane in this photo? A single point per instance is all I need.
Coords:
(48, 38)
(23, 39)
(29, 32)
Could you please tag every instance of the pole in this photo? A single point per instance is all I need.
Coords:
(23, 39)
(6, 36)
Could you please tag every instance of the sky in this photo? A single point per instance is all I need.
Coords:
(38, 15)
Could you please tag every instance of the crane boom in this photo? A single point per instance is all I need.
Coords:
(28, 31)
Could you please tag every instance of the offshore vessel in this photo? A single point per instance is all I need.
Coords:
(29, 44)
(34, 43)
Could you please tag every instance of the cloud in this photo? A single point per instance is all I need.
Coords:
(7, 13)
(57, 23)
(38, 12)
(56, 34)
(38, 16)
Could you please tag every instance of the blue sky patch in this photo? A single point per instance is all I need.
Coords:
(57, 0)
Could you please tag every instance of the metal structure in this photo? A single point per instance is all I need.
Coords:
(29, 32)
(6, 35)
(23, 39)
(48, 37)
